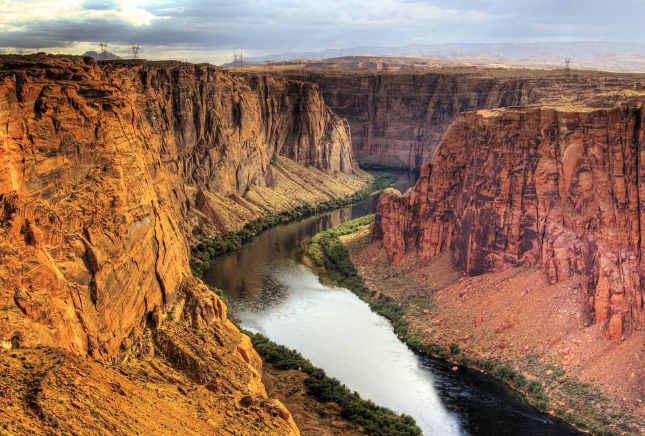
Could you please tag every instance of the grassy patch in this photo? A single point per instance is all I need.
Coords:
(376, 420)
(207, 250)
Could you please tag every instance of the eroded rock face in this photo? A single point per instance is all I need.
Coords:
(100, 166)
(398, 118)
(191, 372)
(556, 189)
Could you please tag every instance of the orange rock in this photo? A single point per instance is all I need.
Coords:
(533, 187)
(246, 401)
(96, 219)
(479, 319)
(157, 317)
(391, 133)
(615, 327)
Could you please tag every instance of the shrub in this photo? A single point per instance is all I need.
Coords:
(519, 380)
(535, 387)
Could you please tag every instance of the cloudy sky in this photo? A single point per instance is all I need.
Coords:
(209, 30)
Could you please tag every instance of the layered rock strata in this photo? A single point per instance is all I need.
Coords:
(101, 166)
(398, 118)
(559, 189)
(185, 370)
(106, 171)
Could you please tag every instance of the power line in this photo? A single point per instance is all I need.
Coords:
(238, 61)
(135, 51)
(103, 54)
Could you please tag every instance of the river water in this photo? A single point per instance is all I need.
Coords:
(270, 291)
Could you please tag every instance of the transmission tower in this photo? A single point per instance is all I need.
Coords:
(238, 61)
(103, 54)
(135, 51)
(567, 66)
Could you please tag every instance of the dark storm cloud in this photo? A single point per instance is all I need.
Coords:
(298, 25)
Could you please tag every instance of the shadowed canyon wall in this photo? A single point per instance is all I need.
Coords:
(559, 189)
(398, 118)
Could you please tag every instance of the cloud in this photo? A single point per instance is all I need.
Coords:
(99, 5)
(197, 28)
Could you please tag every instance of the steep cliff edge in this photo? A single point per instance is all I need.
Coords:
(100, 171)
(397, 118)
(106, 172)
(558, 189)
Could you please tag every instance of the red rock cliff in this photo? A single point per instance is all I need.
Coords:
(99, 165)
(557, 189)
(398, 118)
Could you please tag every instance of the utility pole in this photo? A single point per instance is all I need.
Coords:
(103, 54)
(135, 51)
(238, 61)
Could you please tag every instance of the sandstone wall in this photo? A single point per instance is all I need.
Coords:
(101, 164)
(558, 189)
(398, 118)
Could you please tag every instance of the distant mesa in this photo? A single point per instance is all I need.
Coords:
(95, 55)
(611, 56)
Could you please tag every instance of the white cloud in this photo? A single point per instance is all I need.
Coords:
(15, 13)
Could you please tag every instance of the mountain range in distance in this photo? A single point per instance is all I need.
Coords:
(611, 56)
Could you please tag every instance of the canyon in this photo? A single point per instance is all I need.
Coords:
(555, 188)
(111, 171)
(108, 172)
(400, 108)
(529, 220)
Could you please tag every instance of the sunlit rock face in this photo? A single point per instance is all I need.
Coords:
(100, 166)
(558, 189)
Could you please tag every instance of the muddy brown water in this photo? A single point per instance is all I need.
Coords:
(270, 291)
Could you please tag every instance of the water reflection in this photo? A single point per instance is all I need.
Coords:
(271, 292)
(248, 275)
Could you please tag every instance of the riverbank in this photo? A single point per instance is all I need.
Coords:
(427, 307)
(321, 404)
(207, 249)
(313, 418)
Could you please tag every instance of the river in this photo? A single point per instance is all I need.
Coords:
(270, 291)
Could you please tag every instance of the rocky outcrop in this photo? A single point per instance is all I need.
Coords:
(100, 170)
(558, 189)
(398, 118)
(188, 371)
